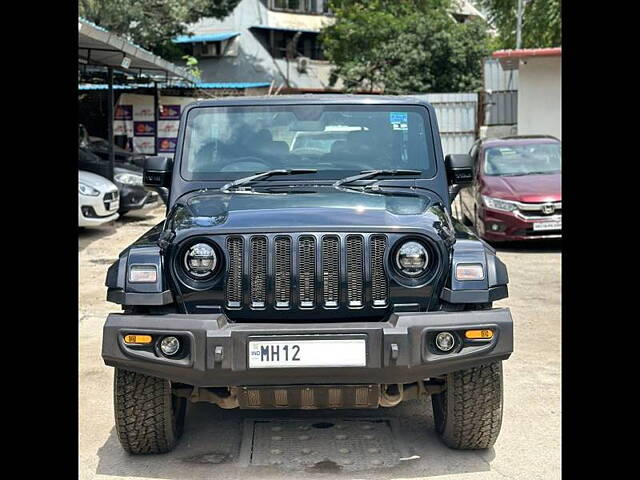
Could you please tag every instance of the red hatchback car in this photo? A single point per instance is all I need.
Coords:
(516, 192)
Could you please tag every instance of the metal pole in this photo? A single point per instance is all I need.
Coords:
(110, 102)
(519, 26)
(156, 115)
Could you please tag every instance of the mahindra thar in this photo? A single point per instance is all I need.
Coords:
(308, 260)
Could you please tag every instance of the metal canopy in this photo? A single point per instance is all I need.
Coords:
(97, 46)
(208, 37)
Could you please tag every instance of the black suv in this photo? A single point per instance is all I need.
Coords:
(328, 277)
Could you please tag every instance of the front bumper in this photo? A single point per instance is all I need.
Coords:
(513, 227)
(94, 211)
(399, 350)
(137, 198)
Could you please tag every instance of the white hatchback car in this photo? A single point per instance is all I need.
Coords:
(98, 200)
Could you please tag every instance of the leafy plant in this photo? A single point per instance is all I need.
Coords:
(410, 46)
(541, 22)
(153, 23)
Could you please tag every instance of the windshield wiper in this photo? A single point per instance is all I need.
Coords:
(375, 173)
(261, 176)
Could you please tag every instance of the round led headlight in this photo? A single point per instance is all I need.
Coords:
(200, 260)
(412, 258)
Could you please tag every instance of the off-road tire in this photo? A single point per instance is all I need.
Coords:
(149, 419)
(468, 413)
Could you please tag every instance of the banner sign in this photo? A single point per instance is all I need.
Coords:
(167, 145)
(123, 112)
(170, 112)
(143, 113)
(144, 129)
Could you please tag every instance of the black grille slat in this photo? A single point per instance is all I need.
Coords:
(327, 270)
(307, 271)
(282, 272)
(330, 271)
(258, 271)
(234, 277)
(379, 285)
(355, 271)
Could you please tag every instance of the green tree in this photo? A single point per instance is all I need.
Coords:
(541, 22)
(153, 23)
(409, 46)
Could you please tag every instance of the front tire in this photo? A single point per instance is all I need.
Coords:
(149, 419)
(468, 413)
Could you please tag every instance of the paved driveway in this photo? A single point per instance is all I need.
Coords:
(212, 446)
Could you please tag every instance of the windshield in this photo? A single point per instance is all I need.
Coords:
(529, 159)
(223, 143)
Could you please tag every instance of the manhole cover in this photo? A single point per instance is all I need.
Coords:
(327, 446)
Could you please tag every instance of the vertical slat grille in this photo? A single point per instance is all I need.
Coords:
(379, 287)
(307, 269)
(258, 271)
(283, 271)
(355, 271)
(234, 279)
(330, 270)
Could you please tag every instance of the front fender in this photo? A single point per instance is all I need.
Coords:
(471, 249)
(144, 251)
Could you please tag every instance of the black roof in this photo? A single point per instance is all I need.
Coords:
(312, 98)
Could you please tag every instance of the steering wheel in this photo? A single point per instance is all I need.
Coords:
(248, 160)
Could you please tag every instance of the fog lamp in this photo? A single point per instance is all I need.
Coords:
(445, 341)
(169, 346)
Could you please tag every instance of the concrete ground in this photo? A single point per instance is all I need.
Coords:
(528, 446)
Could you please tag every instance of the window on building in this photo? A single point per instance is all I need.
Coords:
(276, 41)
(303, 6)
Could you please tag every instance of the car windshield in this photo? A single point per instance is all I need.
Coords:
(336, 140)
(528, 159)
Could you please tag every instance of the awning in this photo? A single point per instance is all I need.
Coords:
(199, 85)
(97, 46)
(510, 59)
(207, 37)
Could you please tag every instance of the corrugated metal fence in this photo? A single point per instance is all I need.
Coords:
(501, 108)
(456, 114)
(501, 94)
(498, 80)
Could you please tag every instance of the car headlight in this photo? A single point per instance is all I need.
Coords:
(128, 178)
(499, 204)
(85, 189)
(412, 258)
(200, 260)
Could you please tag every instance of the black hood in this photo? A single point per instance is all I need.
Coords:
(304, 209)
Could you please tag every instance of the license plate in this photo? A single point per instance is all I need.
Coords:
(547, 226)
(307, 353)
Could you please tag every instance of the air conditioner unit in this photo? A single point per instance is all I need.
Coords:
(302, 64)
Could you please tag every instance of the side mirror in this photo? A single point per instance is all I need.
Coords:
(157, 172)
(459, 169)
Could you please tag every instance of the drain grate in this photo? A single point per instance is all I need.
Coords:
(326, 445)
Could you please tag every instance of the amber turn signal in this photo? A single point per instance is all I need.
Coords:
(482, 334)
(137, 339)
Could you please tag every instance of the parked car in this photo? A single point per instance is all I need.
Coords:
(100, 147)
(98, 200)
(127, 177)
(348, 285)
(517, 189)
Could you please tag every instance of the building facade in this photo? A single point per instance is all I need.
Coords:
(539, 89)
(274, 41)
